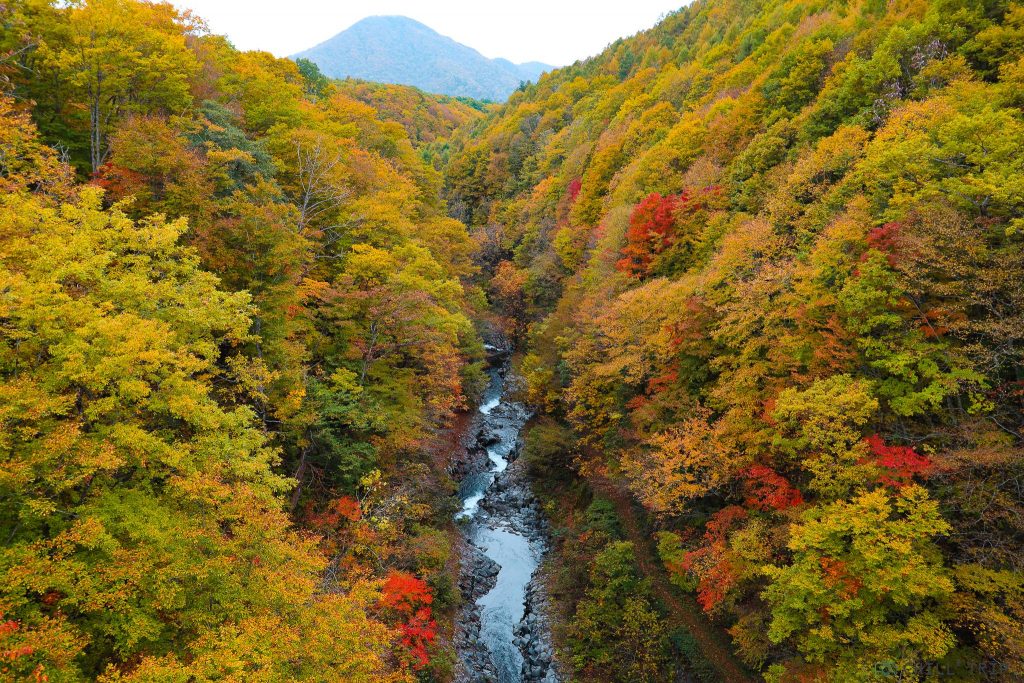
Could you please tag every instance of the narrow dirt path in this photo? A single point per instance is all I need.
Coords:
(683, 610)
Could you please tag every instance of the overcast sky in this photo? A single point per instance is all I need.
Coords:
(557, 32)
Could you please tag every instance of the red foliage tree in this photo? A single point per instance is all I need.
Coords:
(901, 463)
(418, 633)
(10, 651)
(119, 182)
(885, 240)
(409, 599)
(660, 221)
(405, 593)
(712, 562)
(837, 575)
(337, 525)
(343, 509)
(573, 190)
(651, 229)
(766, 489)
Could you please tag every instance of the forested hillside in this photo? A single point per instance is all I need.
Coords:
(430, 120)
(766, 264)
(426, 118)
(232, 316)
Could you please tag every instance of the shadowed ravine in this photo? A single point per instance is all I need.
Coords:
(503, 633)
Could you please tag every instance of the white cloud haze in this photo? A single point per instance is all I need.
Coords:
(554, 31)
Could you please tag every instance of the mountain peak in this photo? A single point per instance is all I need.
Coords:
(398, 49)
(391, 21)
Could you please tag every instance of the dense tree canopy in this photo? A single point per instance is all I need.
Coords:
(246, 309)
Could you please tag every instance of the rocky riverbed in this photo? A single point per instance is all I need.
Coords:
(503, 633)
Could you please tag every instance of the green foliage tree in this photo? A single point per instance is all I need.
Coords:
(866, 588)
(616, 634)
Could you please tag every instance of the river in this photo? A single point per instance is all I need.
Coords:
(503, 633)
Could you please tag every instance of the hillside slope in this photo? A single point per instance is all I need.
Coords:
(230, 334)
(767, 262)
(403, 51)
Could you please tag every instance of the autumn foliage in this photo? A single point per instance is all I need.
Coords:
(712, 562)
(660, 222)
(900, 464)
(785, 310)
(233, 313)
(766, 490)
(764, 263)
(409, 599)
(9, 652)
(651, 231)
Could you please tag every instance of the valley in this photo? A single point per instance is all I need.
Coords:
(700, 359)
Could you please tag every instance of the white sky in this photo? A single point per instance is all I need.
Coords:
(557, 32)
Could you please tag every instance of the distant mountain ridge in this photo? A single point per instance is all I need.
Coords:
(394, 49)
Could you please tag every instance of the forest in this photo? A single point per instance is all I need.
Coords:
(762, 267)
